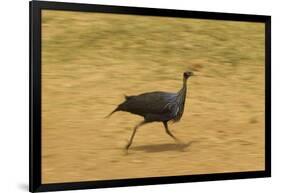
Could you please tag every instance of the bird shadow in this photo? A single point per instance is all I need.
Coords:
(163, 147)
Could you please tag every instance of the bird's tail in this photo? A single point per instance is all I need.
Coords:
(111, 113)
(128, 97)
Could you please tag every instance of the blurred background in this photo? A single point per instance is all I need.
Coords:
(90, 60)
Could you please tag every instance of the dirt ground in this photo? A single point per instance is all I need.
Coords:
(90, 60)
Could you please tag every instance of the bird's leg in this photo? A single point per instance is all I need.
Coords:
(169, 132)
(133, 134)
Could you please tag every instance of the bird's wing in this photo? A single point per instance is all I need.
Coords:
(154, 102)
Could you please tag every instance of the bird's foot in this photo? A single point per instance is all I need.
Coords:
(178, 141)
(126, 152)
(126, 149)
(127, 146)
(180, 145)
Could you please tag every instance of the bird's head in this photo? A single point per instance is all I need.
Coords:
(187, 74)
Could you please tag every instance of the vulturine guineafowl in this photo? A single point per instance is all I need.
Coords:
(156, 107)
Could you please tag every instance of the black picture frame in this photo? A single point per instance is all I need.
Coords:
(35, 184)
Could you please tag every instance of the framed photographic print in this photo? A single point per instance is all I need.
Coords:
(125, 96)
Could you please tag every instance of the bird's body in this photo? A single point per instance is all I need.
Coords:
(153, 106)
(156, 106)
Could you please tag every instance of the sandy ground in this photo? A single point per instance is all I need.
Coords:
(89, 61)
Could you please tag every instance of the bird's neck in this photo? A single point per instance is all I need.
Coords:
(184, 85)
(182, 92)
(180, 100)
